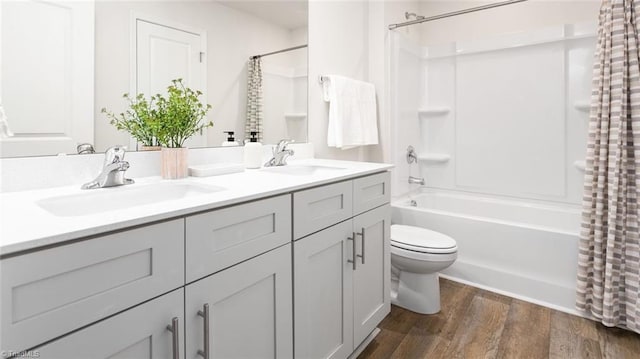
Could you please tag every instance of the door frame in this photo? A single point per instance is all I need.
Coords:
(133, 52)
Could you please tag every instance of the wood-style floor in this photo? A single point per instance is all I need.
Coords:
(474, 323)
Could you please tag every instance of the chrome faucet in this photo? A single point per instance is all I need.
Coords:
(280, 154)
(416, 180)
(113, 170)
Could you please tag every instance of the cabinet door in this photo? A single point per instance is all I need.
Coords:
(371, 279)
(140, 332)
(323, 294)
(249, 308)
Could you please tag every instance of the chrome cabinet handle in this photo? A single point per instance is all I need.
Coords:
(175, 337)
(353, 251)
(204, 313)
(362, 236)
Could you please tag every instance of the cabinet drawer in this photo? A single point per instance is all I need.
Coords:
(321, 207)
(51, 292)
(370, 192)
(222, 238)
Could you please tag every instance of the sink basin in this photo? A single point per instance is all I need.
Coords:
(302, 170)
(116, 198)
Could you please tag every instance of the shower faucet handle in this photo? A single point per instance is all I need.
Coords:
(411, 155)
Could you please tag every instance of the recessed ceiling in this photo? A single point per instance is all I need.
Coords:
(290, 14)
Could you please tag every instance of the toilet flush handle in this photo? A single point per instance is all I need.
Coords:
(362, 236)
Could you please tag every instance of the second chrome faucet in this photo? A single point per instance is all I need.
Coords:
(280, 154)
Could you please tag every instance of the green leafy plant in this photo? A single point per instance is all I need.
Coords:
(141, 119)
(181, 115)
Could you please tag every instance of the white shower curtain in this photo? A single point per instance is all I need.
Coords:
(254, 98)
(609, 256)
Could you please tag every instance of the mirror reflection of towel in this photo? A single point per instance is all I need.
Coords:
(5, 132)
(352, 112)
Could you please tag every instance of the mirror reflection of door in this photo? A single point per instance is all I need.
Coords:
(46, 76)
(165, 52)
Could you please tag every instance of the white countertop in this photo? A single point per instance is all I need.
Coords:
(24, 225)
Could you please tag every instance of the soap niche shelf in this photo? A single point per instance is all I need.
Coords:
(583, 106)
(433, 111)
(434, 157)
(295, 115)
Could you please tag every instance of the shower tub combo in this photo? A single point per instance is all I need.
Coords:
(521, 248)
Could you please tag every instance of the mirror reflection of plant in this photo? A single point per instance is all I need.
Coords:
(182, 115)
(141, 120)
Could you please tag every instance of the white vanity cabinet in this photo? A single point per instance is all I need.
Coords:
(341, 273)
(302, 274)
(141, 332)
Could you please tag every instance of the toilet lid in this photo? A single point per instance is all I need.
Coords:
(421, 239)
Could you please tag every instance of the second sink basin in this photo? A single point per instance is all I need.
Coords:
(301, 169)
(116, 198)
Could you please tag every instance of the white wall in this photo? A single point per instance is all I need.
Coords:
(232, 36)
(338, 38)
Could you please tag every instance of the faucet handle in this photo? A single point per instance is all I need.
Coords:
(114, 154)
(282, 144)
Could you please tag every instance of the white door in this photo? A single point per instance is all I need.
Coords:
(165, 53)
(249, 308)
(46, 76)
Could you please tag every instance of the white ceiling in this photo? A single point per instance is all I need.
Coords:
(290, 14)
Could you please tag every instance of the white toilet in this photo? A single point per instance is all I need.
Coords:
(417, 255)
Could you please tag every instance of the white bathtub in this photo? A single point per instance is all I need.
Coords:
(524, 249)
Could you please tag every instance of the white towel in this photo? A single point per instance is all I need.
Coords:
(352, 112)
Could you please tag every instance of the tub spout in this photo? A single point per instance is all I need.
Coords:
(416, 180)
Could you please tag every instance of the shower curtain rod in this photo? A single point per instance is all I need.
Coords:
(454, 13)
(279, 51)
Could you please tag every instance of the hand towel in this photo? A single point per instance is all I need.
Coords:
(352, 112)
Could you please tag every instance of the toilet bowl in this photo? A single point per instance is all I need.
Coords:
(417, 255)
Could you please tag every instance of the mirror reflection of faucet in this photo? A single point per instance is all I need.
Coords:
(85, 148)
(113, 170)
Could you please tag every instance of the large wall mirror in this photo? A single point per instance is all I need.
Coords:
(63, 61)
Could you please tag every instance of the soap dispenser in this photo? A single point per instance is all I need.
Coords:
(231, 141)
(253, 151)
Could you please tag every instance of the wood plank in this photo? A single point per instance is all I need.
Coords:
(393, 328)
(454, 302)
(383, 345)
(564, 344)
(416, 344)
(528, 321)
(618, 343)
(478, 335)
(574, 324)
